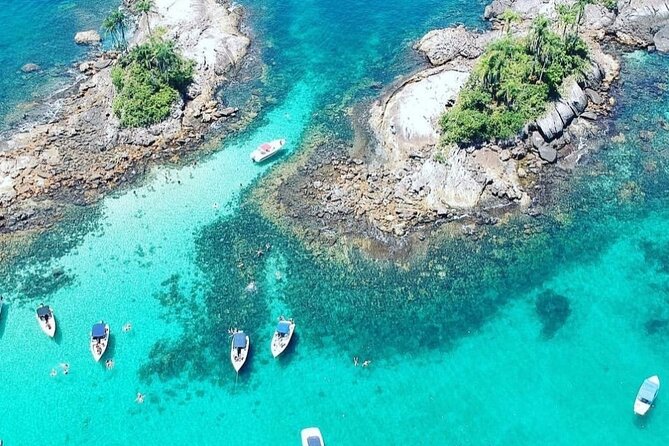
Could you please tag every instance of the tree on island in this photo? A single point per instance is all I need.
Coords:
(115, 25)
(145, 7)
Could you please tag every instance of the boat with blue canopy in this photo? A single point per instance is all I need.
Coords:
(283, 333)
(312, 436)
(46, 320)
(99, 340)
(239, 349)
(646, 395)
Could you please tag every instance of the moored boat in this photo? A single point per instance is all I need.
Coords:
(311, 436)
(99, 340)
(282, 336)
(267, 150)
(46, 320)
(239, 349)
(646, 395)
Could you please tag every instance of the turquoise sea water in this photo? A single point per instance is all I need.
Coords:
(540, 332)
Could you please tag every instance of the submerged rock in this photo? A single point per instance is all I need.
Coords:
(30, 68)
(87, 37)
(553, 311)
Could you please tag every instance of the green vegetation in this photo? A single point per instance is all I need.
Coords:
(115, 25)
(148, 80)
(516, 77)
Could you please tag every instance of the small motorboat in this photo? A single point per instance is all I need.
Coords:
(99, 340)
(647, 394)
(239, 350)
(267, 150)
(46, 320)
(282, 336)
(311, 436)
(2, 301)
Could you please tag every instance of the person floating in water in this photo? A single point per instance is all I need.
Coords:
(355, 361)
(127, 327)
(53, 373)
(140, 398)
(366, 362)
(66, 367)
(109, 363)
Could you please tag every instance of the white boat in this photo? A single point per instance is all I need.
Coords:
(647, 394)
(46, 320)
(239, 349)
(267, 150)
(99, 340)
(282, 336)
(311, 436)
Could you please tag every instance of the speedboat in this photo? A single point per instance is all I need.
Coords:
(239, 350)
(647, 394)
(311, 436)
(267, 150)
(46, 320)
(99, 340)
(282, 336)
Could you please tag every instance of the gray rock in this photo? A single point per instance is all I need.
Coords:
(30, 68)
(639, 20)
(595, 97)
(102, 63)
(550, 124)
(443, 45)
(596, 17)
(496, 8)
(661, 40)
(589, 115)
(548, 153)
(537, 140)
(574, 96)
(87, 37)
(565, 111)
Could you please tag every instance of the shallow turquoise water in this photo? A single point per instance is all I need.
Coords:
(459, 353)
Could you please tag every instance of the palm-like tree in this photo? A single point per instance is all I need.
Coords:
(145, 7)
(508, 17)
(115, 25)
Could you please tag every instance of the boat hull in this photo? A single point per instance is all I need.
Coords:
(646, 395)
(280, 343)
(267, 150)
(238, 358)
(49, 328)
(99, 346)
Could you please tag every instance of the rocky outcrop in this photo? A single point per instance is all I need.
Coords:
(82, 150)
(444, 45)
(661, 40)
(87, 37)
(407, 119)
(639, 20)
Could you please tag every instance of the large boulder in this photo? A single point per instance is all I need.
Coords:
(574, 96)
(661, 40)
(550, 125)
(639, 20)
(597, 17)
(443, 45)
(407, 119)
(87, 37)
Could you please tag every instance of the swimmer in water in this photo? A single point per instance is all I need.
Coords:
(66, 367)
(127, 327)
(366, 363)
(53, 373)
(355, 361)
(140, 398)
(109, 363)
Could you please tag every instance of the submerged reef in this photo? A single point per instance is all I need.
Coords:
(553, 311)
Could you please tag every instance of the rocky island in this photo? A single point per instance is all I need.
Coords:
(82, 149)
(400, 178)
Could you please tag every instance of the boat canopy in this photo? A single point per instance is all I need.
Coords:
(98, 331)
(43, 311)
(239, 340)
(283, 327)
(314, 441)
(647, 391)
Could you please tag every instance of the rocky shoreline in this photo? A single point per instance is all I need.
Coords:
(81, 151)
(399, 184)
